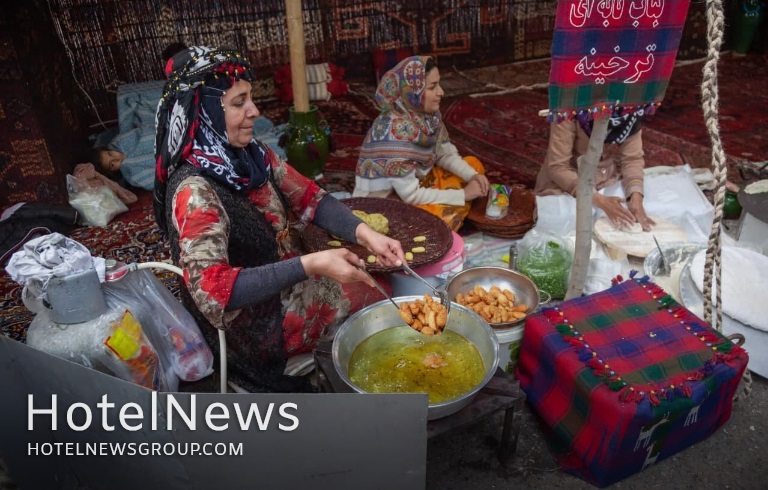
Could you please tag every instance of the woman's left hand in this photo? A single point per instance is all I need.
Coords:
(635, 206)
(388, 251)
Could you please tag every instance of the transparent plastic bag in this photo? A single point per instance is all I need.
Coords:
(498, 201)
(546, 260)
(96, 205)
(169, 326)
(113, 343)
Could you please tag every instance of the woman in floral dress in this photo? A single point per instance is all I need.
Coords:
(234, 212)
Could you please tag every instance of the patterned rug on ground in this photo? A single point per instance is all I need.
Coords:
(495, 118)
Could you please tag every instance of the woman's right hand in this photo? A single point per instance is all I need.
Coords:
(339, 264)
(614, 209)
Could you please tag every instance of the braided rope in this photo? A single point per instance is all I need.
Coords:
(710, 101)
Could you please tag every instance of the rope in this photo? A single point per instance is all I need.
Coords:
(710, 101)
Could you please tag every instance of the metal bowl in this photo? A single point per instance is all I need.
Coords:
(522, 287)
(674, 252)
(383, 315)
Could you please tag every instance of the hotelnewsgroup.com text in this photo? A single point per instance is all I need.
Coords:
(134, 449)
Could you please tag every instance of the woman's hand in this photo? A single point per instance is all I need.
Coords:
(339, 264)
(388, 251)
(614, 208)
(485, 185)
(474, 188)
(635, 206)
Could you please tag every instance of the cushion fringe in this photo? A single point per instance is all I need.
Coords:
(725, 351)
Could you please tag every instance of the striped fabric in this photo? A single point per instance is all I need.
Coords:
(626, 377)
(319, 73)
(609, 55)
(318, 91)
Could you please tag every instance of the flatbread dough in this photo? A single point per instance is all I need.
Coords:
(638, 243)
(758, 187)
(743, 273)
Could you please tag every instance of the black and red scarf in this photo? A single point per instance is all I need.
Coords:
(191, 127)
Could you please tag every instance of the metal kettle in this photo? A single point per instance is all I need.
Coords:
(75, 298)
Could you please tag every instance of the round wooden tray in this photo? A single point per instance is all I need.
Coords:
(519, 219)
(405, 223)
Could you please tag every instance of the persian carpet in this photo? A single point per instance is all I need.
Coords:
(495, 118)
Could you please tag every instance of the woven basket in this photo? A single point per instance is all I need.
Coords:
(405, 223)
(520, 219)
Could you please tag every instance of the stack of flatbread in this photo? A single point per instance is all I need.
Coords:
(634, 241)
(743, 273)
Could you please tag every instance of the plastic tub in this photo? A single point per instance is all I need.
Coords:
(509, 347)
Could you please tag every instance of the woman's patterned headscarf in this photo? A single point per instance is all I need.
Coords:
(620, 127)
(403, 137)
(191, 126)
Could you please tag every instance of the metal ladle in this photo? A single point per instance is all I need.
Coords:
(444, 299)
(379, 287)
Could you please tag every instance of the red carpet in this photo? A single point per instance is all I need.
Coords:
(743, 107)
(509, 137)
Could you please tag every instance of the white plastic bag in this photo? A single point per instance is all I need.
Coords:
(169, 326)
(114, 343)
(556, 214)
(96, 205)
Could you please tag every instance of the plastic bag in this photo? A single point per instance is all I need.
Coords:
(556, 214)
(114, 343)
(546, 260)
(169, 326)
(96, 205)
(498, 201)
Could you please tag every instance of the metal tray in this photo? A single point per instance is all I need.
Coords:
(674, 252)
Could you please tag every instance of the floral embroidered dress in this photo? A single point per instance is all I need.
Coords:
(310, 307)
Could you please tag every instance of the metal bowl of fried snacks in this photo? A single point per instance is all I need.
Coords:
(502, 297)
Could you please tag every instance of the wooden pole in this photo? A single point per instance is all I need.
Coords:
(294, 19)
(587, 168)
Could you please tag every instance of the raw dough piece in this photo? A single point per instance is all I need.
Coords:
(743, 273)
(640, 243)
(758, 187)
(377, 221)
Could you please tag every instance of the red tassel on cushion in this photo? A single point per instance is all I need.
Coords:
(573, 341)
(654, 399)
(553, 315)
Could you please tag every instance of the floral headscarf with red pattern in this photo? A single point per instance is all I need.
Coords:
(403, 137)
